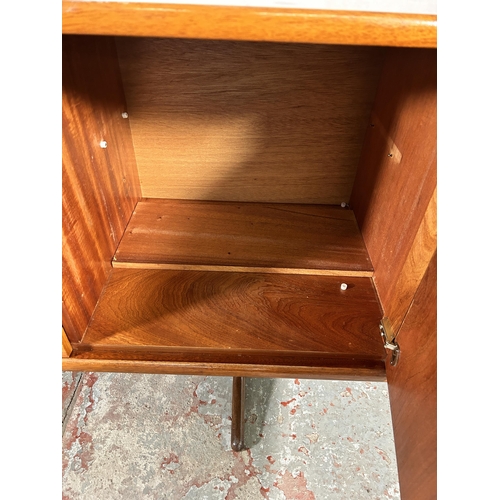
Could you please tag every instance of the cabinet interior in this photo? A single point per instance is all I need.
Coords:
(218, 195)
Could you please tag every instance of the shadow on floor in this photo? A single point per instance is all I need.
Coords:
(258, 392)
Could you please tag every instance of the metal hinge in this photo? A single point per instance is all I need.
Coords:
(392, 345)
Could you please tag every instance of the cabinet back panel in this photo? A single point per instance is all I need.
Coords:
(246, 121)
(100, 186)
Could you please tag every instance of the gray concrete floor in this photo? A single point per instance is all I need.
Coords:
(130, 436)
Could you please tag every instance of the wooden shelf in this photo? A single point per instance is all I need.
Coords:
(250, 237)
(289, 323)
(237, 289)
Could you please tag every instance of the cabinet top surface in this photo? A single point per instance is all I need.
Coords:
(412, 23)
(394, 6)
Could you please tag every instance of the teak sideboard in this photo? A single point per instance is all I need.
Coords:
(251, 192)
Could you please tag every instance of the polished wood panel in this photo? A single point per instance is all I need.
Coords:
(199, 313)
(413, 394)
(237, 311)
(391, 196)
(244, 23)
(404, 287)
(100, 186)
(307, 239)
(312, 359)
(243, 269)
(239, 121)
(66, 345)
(372, 373)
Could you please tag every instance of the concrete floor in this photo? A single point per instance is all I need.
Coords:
(130, 436)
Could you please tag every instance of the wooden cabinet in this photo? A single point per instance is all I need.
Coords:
(249, 194)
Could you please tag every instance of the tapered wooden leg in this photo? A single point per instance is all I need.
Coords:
(238, 417)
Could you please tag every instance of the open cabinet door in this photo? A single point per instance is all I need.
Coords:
(395, 202)
(413, 393)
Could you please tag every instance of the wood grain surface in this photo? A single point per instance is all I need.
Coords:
(313, 359)
(307, 239)
(390, 198)
(404, 287)
(246, 23)
(375, 372)
(240, 121)
(66, 345)
(100, 186)
(413, 394)
(243, 269)
(238, 313)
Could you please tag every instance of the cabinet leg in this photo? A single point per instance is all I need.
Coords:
(238, 416)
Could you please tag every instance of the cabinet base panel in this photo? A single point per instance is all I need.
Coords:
(376, 372)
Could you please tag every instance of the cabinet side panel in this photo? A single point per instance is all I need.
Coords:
(413, 394)
(396, 179)
(100, 185)
(404, 286)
